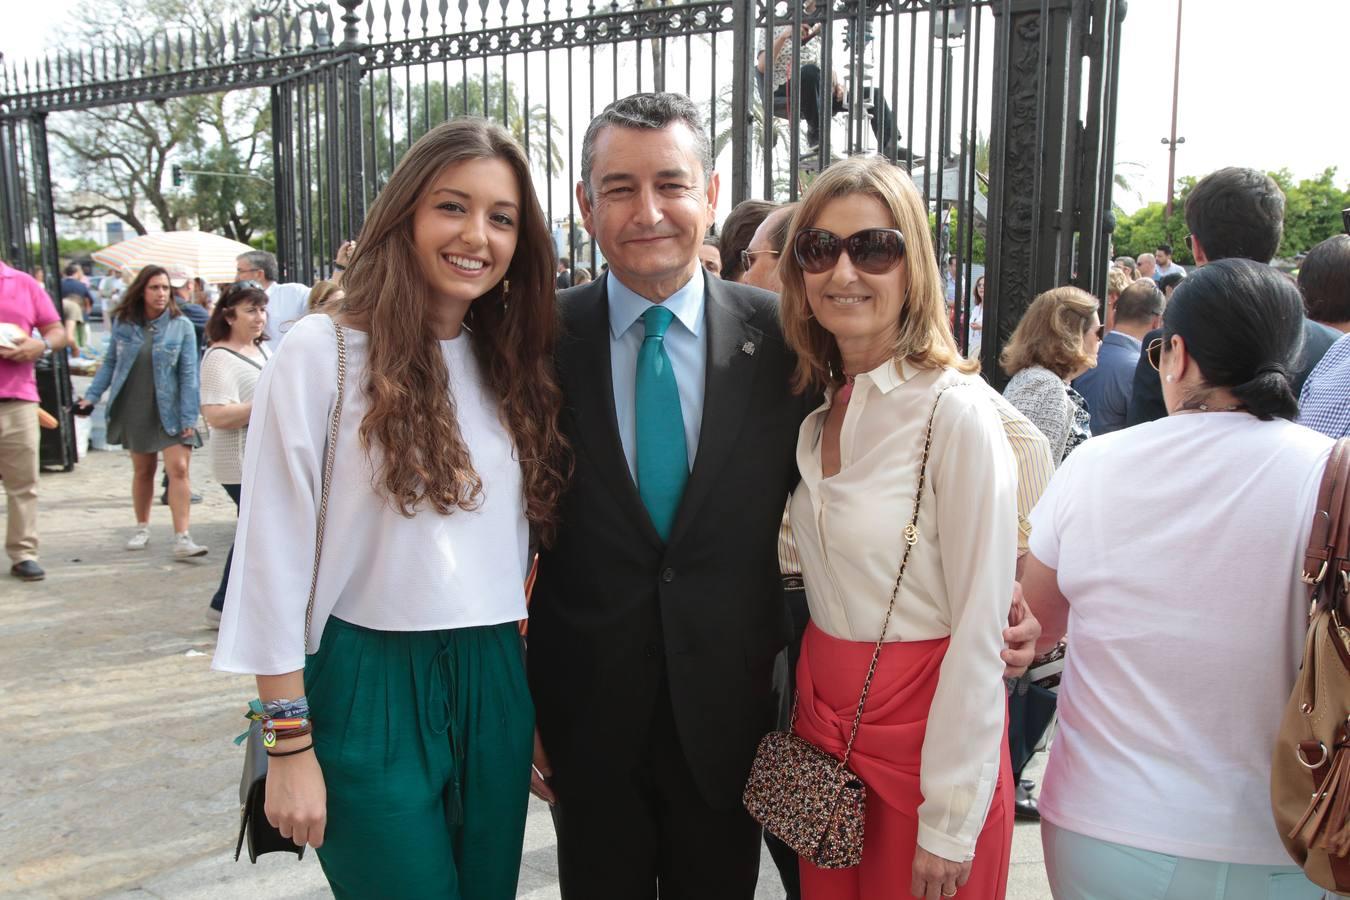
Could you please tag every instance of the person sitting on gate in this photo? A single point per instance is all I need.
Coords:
(807, 75)
(446, 455)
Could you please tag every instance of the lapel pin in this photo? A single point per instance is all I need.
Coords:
(748, 348)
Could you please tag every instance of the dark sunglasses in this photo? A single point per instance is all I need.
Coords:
(1154, 353)
(241, 285)
(873, 250)
(1100, 331)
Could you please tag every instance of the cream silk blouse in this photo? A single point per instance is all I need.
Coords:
(960, 577)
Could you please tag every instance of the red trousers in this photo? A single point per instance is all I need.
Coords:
(886, 755)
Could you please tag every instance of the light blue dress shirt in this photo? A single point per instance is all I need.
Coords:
(685, 345)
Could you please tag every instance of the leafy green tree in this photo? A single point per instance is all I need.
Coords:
(1312, 211)
(229, 190)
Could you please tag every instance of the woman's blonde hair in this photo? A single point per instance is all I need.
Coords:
(923, 331)
(411, 418)
(1051, 333)
(320, 294)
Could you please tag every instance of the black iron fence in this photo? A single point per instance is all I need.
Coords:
(1002, 110)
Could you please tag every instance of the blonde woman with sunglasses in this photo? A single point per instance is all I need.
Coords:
(863, 309)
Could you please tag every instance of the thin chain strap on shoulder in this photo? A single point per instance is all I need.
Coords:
(330, 448)
(911, 534)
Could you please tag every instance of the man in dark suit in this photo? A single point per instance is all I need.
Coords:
(652, 635)
(1231, 213)
(658, 611)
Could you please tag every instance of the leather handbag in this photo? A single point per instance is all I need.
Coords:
(1310, 769)
(260, 834)
(803, 795)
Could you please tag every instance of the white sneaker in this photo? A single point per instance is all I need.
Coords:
(184, 547)
(139, 539)
(213, 618)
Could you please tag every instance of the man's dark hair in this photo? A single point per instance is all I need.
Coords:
(1164, 247)
(1139, 302)
(1242, 322)
(72, 268)
(1170, 280)
(650, 111)
(1236, 213)
(736, 233)
(1324, 279)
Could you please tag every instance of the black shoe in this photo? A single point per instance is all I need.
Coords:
(28, 570)
(1024, 806)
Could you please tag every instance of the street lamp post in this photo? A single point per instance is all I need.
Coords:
(1174, 140)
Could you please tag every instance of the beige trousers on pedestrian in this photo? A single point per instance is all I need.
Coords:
(19, 469)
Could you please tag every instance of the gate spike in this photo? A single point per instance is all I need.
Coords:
(222, 47)
(235, 40)
(407, 18)
(182, 64)
(425, 13)
(297, 33)
(45, 81)
(445, 8)
(267, 34)
(388, 21)
(193, 49)
(252, 38)
(329, 26)
(370, 22)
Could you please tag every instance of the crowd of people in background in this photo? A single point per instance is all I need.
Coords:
(718, 470)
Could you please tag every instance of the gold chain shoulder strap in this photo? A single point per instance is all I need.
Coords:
(911, 538)
(327, 478)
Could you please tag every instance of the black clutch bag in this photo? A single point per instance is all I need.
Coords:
(254, 828)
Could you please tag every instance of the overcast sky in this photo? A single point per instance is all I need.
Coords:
(1264, 83)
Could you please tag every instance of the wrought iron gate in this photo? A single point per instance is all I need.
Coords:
(1033, 81)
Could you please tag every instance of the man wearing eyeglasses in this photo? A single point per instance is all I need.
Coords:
(286, 303)
(759, 260)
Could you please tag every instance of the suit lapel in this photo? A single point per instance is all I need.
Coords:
(590, 396)
(730, 374)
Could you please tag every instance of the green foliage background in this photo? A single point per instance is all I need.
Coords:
(1312, 214)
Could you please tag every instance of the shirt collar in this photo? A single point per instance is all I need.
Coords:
(889, 375)
(626, 306)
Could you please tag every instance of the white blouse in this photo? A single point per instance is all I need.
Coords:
(960, 576)
(379, 569)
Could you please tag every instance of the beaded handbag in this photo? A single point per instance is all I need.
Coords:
(802, 794)
(262, 836)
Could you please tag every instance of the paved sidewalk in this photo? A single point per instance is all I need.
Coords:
(120, 778)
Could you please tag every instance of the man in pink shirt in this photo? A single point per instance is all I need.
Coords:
(25, 305)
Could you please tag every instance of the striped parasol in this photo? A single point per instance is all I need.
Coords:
(209, 256)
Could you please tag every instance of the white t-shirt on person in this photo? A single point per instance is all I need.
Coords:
(286, 305)
(1178, 544)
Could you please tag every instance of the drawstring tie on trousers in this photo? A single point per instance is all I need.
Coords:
(441, 714)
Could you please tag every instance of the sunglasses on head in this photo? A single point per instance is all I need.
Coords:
(872, 250)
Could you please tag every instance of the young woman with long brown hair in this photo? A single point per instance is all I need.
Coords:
(150, 374)
(413, 777)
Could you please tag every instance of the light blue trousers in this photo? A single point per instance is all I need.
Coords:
(1084, 868)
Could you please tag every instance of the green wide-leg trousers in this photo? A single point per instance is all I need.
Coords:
(425, 740)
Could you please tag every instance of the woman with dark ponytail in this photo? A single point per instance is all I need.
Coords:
(1176, 545)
